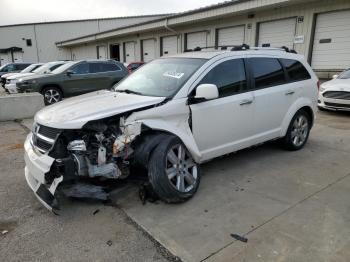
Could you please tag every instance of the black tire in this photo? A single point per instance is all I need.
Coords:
(289, 141)
(162, 185)
(52, 95)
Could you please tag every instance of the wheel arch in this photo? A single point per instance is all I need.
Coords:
(51, 85)
(302, 103)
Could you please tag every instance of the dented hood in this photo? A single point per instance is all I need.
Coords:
(75, 112)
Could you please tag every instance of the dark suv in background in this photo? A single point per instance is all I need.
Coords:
(74, 78)
(13, 68)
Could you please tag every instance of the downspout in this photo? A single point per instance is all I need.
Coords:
(168, 28)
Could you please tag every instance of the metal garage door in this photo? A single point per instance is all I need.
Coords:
(277, 33)
(101, 52)
(129, 52)
(231, 35)
(149, 50)
(331, 48)
(169, 45)
(4, 59)
(194, 40)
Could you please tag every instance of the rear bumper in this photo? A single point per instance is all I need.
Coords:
(37, 165)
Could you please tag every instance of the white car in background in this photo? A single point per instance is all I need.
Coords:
(335, 94)
(10, 85)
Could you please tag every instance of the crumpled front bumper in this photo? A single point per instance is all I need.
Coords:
(37, 165)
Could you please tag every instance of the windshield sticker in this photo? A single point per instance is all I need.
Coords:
(173, 74)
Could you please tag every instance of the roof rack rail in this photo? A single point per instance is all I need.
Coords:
(242, 48)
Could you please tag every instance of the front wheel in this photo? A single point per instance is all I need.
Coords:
(172, 172)
(52, 95)
(298, 131)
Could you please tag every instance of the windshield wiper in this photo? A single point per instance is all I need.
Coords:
(128, 91)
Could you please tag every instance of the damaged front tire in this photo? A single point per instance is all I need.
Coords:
(172, 172)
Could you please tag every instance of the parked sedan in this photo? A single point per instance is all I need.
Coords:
(13, 67)
(74, 78)
(10, 85)
(335, 94)
(28, 69)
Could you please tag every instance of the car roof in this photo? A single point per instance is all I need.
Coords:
(226, 53)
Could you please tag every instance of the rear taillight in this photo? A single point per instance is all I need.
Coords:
(318, 85)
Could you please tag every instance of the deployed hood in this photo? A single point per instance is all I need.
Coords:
(337, 85)
(19, 75)
(75, 112)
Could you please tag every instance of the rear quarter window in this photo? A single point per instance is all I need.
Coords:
(295, 70)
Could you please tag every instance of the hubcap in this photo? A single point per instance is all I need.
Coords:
(181, 169)
(52, 96)
(300, 130)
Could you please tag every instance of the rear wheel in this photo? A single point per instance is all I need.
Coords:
(173, 173)
(52, 95)
(298, 131)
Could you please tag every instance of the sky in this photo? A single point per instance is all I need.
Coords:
(28, 11)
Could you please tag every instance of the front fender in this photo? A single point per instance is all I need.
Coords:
(297, 105)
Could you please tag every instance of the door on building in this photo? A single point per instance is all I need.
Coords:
(231, 35)
(4, 58)
(148, 50)
(277, 33)
(114, 50)
(169, 45)
(101, 52)
(198, 39)
(129, 52)
(331, 46)
(17, 57)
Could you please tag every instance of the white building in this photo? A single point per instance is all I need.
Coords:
(319, 29)
(36, 42)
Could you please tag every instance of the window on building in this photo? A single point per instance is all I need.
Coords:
(296, 71)
(266, 72)
(229, 77)
(29, 42)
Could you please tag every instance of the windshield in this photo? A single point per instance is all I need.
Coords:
(345, 74)
(30, 68)
(46, 68)
(63, 68)
(162, 77)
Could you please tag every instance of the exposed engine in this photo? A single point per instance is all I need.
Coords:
(100, 149)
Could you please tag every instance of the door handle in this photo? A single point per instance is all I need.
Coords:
(245, 102)
(290, 92)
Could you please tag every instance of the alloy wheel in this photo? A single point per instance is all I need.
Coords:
(52, 96)
(181, 169)
(300, 130)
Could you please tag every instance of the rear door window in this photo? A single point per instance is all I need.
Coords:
(96, 68)
(81, 69)
(295, 70)
(266, 72)
(229, 77)
(108, 67)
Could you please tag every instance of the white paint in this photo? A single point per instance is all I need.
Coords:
(336, 54)
(277, 33)
(198, 39)
(130, 52)
(170, 45)
(231, 35)
(149, 50)
(102, 52)
(299, 39)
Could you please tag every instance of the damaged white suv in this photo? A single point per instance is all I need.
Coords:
(171, 115)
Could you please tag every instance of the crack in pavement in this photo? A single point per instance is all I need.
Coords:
(280, 214)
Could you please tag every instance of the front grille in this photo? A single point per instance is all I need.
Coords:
(44, 137)
(337, 95)
(337, 105)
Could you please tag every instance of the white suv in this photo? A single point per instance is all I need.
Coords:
(171, 115)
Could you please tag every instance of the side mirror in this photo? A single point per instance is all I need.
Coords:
(335, 76)
(69, 72)
(207, 92)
